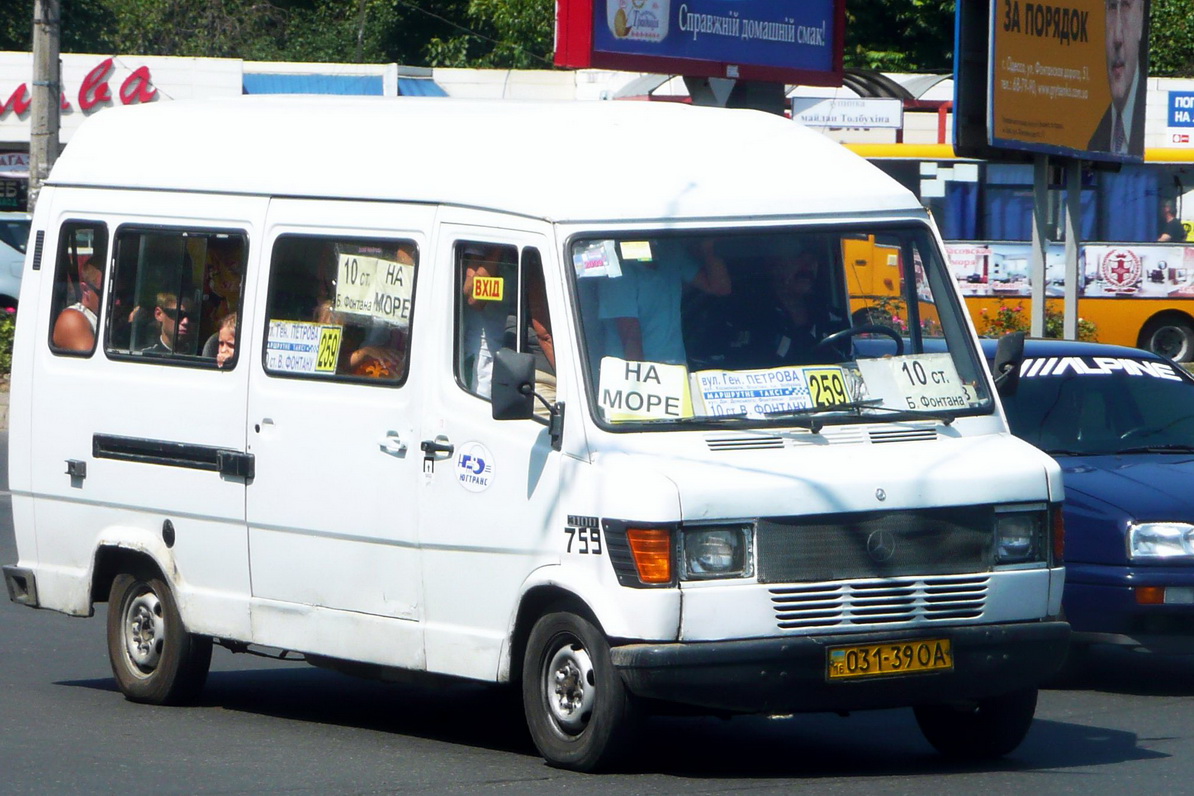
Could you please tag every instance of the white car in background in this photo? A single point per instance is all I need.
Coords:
(14, 234)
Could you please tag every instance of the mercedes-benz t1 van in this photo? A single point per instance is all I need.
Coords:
(629, 404)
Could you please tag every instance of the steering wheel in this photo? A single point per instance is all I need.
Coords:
(866, 328)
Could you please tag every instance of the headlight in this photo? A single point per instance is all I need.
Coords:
(1153, 540)
(1019, 537)
(721, 551)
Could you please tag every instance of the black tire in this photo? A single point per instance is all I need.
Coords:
(578, 710)
(1170, 336)
(155, 660)
(985, 730)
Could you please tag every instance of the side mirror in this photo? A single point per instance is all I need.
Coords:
(1009, 353)
(512, 387)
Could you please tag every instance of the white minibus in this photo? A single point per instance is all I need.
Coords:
(627, 405)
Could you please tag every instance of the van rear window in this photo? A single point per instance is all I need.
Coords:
(340, 308)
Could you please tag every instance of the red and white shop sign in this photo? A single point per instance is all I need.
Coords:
(94, 91)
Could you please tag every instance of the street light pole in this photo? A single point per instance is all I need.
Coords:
(47, 95)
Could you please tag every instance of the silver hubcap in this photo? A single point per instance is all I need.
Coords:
(144, 631)
(571, 687)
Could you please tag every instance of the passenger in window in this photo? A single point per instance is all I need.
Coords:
(484, 320)
(222, 279)
(642, 307)
(74, 328)
(374, 349)
(788, 323)
(227, 340)
(176, 322)
(539, 339)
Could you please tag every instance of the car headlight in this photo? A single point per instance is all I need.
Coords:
(1154, 540)
(721, 551)
(1019, 537)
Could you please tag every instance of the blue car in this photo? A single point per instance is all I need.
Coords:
(1120, 421)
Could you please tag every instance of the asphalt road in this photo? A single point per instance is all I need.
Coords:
(270, 727)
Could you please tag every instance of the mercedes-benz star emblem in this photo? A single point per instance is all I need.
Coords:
(880, 546)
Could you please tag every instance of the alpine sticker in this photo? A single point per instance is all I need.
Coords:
(1096, 366)
(474, 466)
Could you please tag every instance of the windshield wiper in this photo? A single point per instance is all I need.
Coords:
(805, 417)
(916, 414)
(1174, 447)
(697, 420)
(856, 407)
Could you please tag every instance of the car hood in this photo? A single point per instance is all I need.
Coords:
(720, 476)
(1151, 486)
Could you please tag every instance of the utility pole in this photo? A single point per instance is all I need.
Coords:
(47, 95)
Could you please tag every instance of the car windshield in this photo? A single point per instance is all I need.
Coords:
(793, 327)
(1103, 405)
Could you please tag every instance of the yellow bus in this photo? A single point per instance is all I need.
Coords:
(1135, 289)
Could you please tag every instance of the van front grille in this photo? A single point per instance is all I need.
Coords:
(879, 602)
(882, 544)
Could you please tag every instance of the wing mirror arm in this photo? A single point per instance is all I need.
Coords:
(512, 394)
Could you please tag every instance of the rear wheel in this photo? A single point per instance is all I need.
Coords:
(982, 730)
(578, 710)
(1170, 336)
(153, 657)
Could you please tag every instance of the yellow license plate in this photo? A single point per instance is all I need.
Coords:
(889, 659)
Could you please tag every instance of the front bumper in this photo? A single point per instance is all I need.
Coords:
(788, 675)
(1101, 605)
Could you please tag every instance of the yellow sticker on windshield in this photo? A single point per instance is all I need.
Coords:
(826, 386)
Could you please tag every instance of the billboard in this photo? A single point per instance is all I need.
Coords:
(1069, 79)
(759, 40)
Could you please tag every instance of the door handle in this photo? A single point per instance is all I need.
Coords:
(433, 447)
(392, 443)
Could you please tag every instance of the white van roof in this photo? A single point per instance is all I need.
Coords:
(560, 161)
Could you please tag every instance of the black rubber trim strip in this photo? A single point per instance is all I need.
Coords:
(173, 454)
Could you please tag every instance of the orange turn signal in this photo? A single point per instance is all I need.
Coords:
(1150, 595)
(652, 551)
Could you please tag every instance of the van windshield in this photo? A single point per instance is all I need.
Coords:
(790, 327)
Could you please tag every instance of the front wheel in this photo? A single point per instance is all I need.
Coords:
(578, 710)
(984, 730)
(154, 658)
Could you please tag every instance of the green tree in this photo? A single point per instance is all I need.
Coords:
(214, 28)
(889, 35)
(1171, 39)
(84, 25)
(510, 34)
(900, 35)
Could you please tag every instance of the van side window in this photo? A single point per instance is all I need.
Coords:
(78, 287)
(535, 328)
(340, 308)
(172, 291)
(486, 310)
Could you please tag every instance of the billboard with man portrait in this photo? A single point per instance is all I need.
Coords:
(1069, 77)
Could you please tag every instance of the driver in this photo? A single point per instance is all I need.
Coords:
(787, 328)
